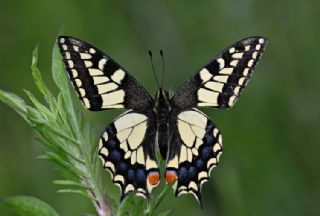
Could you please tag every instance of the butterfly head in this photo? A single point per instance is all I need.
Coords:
(162, 98)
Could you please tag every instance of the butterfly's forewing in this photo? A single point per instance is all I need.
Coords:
(194, 149)
(127, 147)
(195, 143)
(127, 150)
(220, 83)
(100, 82)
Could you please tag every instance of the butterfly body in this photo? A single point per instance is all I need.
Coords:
(163, 109)
(187, 139)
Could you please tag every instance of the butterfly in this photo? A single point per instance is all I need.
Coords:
(188, 140)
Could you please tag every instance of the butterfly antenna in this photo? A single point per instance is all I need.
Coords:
(161, 53)
(154, 73)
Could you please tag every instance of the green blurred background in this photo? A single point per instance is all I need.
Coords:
(270, 164)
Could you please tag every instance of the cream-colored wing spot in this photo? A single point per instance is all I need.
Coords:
(250, 62)
(232, 100)
(68, 56)
(95, 72)
(215, 86)
(74, 73)
(227, 71)
(124, 134)
(237, 55)
(104, 151)
(140, 156)
(186, 133)
(85, 56)
(82, 92)
(106, 87)
(246, 72)
(198, 131)
(86, 102)
(205, 95)
(71, 64)
(173, 163)
(78, 82)
(118, 76)
(128, 120)
(150, 163)
(76, 48)
(102, 63)
(100, 79)
(112, 98)
(234, 63)
(137, 135)
(92, 51)
(232, 50)
(258, 47)
(124, 146)
(88, 64)
(205, 75)
(62, 40)
(183, 154)
(194, 118)
(221, 63)
(221, 78)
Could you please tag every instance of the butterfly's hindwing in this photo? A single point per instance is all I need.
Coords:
(100, 82)
(220, 83)
(194, 150)
(127, 150)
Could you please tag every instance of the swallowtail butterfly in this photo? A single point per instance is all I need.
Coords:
(187, 139)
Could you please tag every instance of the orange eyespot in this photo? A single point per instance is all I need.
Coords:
(171, 176)
(154, 178)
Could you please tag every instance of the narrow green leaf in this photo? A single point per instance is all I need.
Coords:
(66, 164)
(160, 197)
(38, 79)
(35, 117)
(55, 145)
(70, 183)
(138, 208)
(81, 192)
(125, 205)
(14, 102)
(29, 206)
(166, 213)
(58, 132)
(114, 204)
(43, 110)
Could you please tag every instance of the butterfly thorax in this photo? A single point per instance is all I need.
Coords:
(162, 108)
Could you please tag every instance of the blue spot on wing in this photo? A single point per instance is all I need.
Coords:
(111, 144)
(200, 163)
(141, 176)
(122, 167)
(205, 152)
(130, 175)
(182, 174)
(192, 172)
(115, 156)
